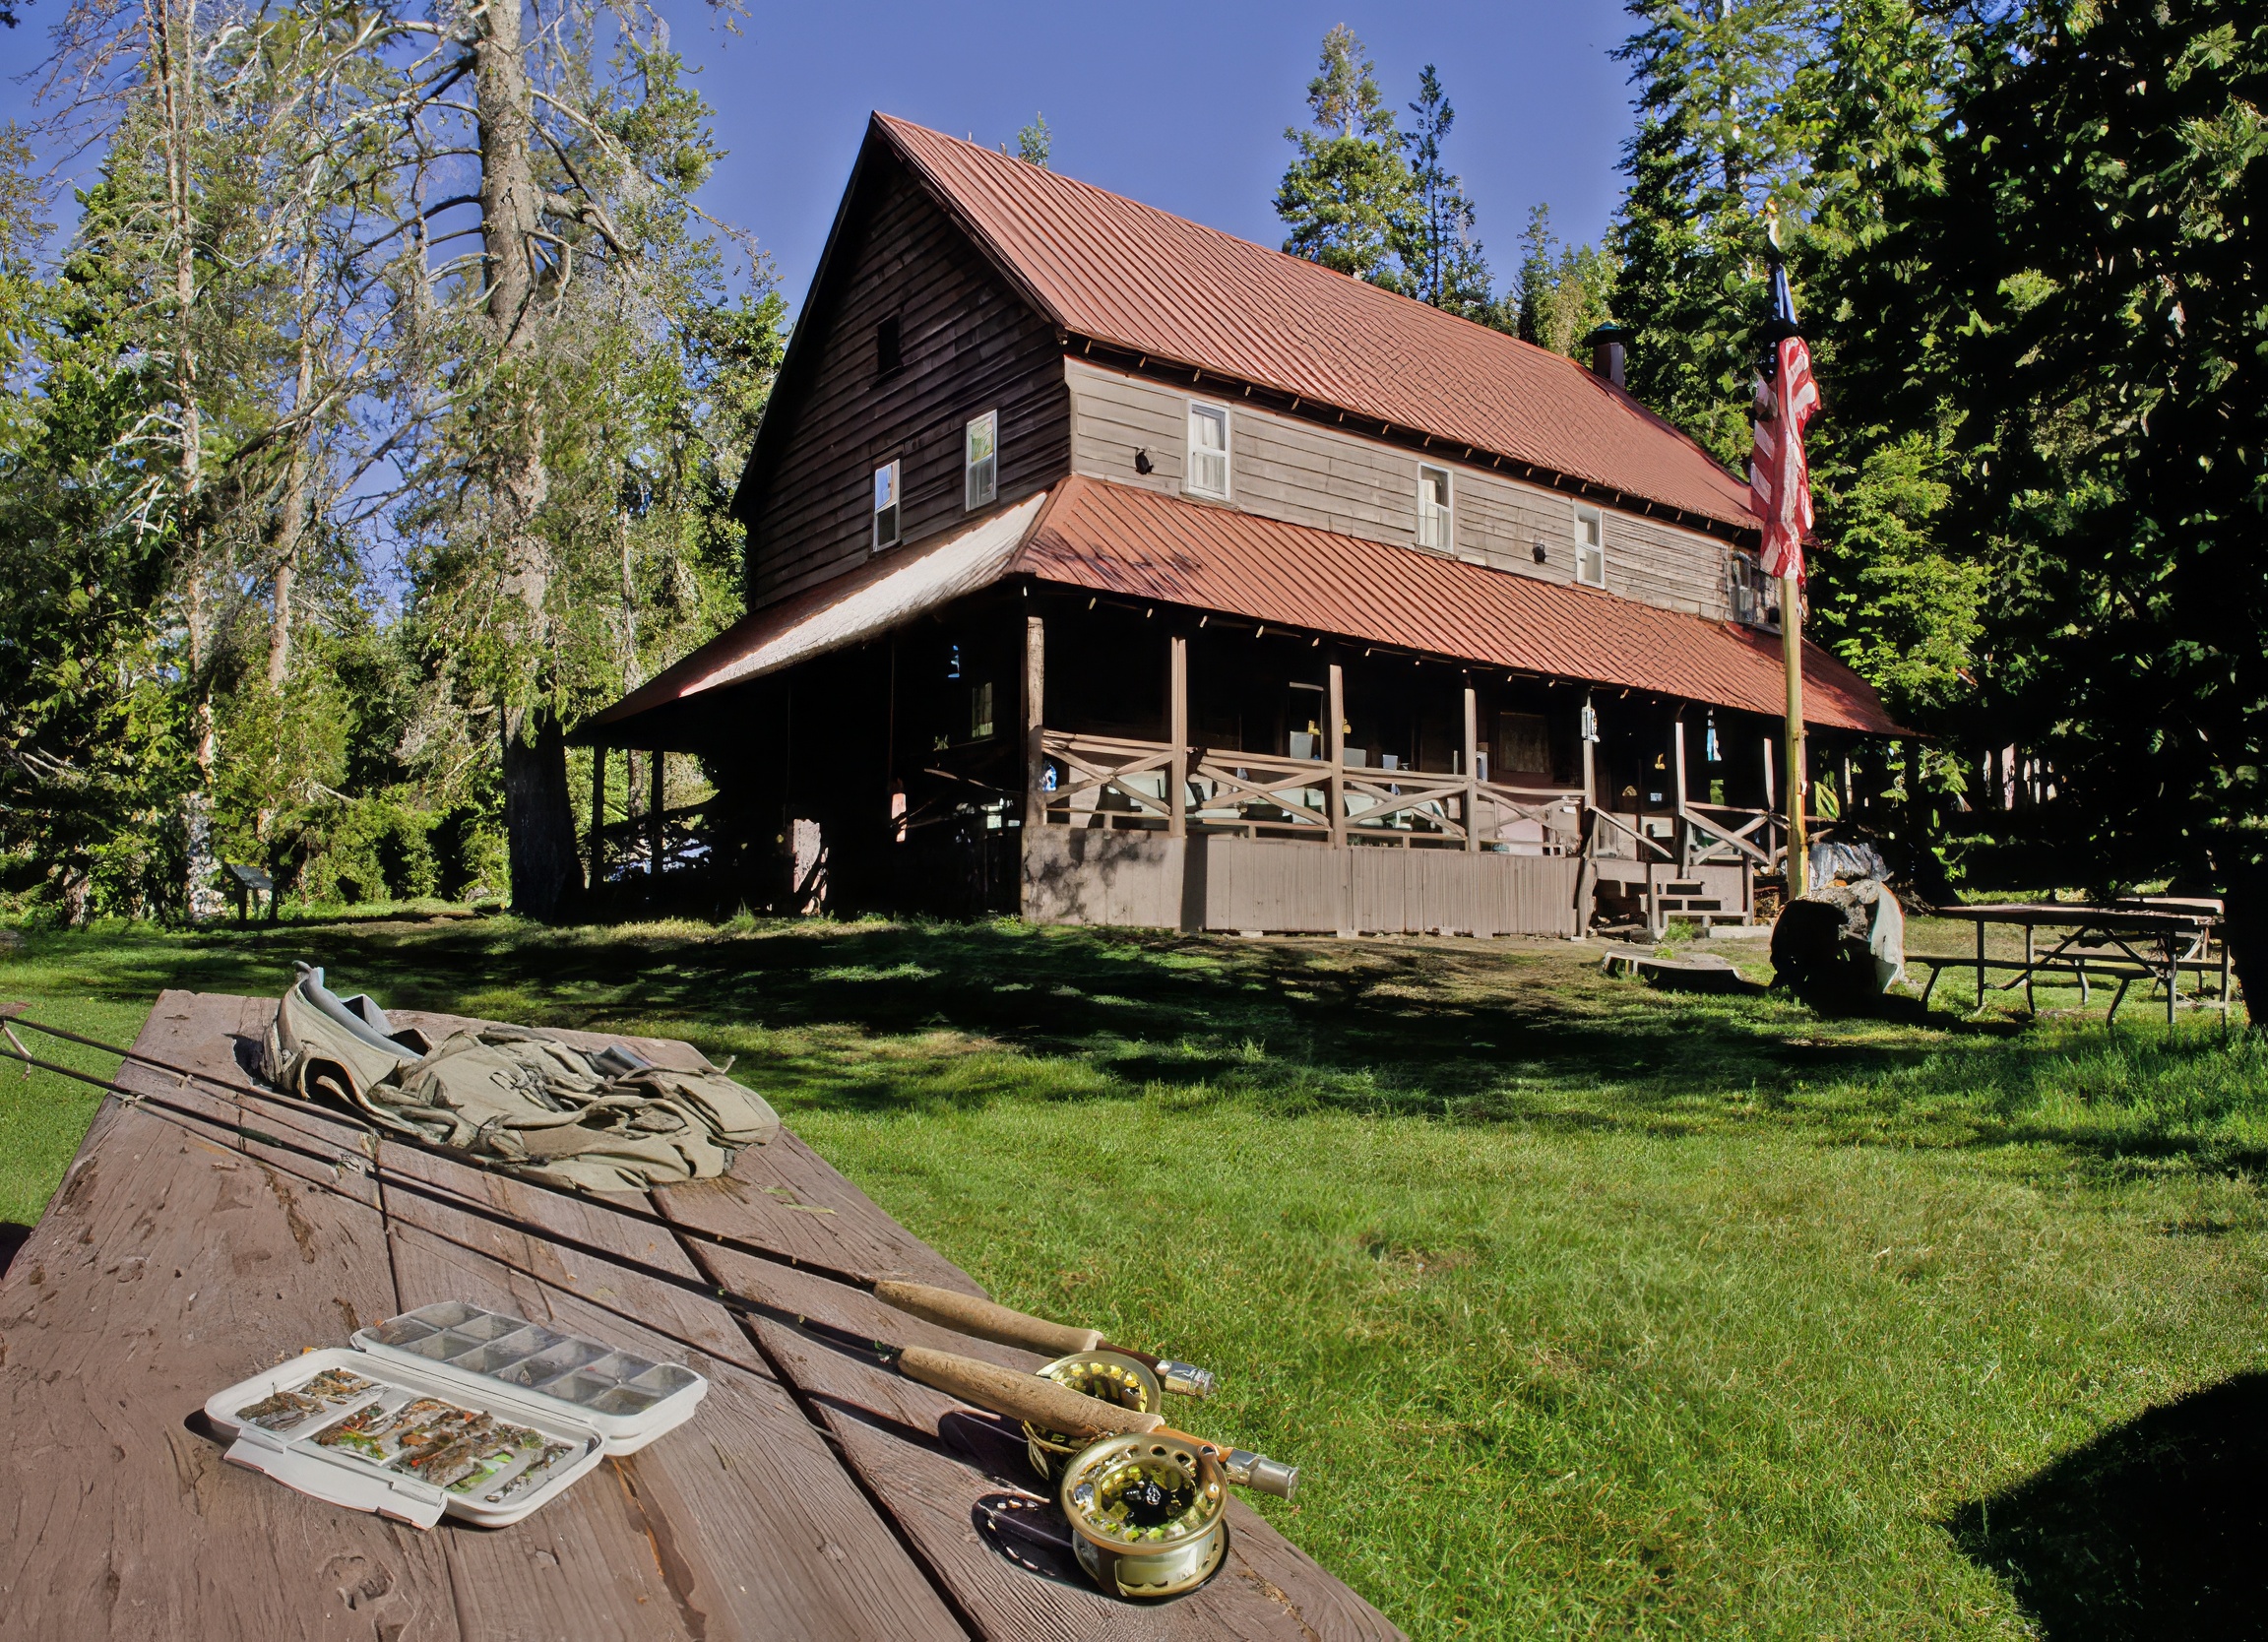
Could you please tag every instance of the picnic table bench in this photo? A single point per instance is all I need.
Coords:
(815, 1493)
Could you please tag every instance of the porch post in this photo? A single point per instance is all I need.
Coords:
(1333, 742)
(654, 828)
(1177, 732)
(1677, 775)
(597, 815)
(1471, 774)
(1589, 723)
(1587, 875)
(1035, 694)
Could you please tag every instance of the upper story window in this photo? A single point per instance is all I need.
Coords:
(1590, 546)
(1752, 590)
(886, 506)
(1208, 472)
(889, 353)
(1433, 508)
(981, 461)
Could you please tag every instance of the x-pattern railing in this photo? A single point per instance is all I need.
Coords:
(1406, 805)
(1288, 795)
(1100, 765)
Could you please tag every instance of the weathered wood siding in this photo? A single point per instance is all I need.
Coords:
(1073, 875)
(1286, 467)
(969, 344)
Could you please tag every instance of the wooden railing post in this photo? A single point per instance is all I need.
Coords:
(1177, 737)
(1335, 745)
(654, 829)
(1472, 772)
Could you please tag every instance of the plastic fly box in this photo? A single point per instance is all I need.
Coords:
(629, 1400)
(450, 1409)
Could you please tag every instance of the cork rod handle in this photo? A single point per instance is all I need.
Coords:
(1022, 1396)
(973, 1314)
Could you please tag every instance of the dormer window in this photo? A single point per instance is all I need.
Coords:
(1590, 546)
(1208, 472)
(1433, 509)
(886, 506)
(981, 461)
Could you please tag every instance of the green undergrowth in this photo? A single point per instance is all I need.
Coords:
(1587, 1309)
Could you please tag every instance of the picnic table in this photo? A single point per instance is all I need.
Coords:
(2157, 936)
(816, 1493)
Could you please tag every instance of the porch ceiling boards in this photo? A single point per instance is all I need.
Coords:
(1140, 544)
(1132, 543)
(1128, 276)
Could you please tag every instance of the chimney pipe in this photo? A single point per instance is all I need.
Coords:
(1606, 352)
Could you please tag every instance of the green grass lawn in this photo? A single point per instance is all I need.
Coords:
(1585, 1308)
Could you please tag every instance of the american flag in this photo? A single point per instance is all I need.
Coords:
(1787, 399)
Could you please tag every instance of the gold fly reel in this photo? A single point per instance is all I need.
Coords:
(1107, 1376)
(1149, 1514)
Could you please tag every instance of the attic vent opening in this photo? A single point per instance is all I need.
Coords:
(889, 356)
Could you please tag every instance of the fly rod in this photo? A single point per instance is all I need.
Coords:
(1008, 1392)
(971, 1314)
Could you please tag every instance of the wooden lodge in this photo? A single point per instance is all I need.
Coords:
(1104, 568)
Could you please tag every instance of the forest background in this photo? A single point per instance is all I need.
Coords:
(376, 418)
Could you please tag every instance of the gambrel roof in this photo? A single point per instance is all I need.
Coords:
(1139, 281)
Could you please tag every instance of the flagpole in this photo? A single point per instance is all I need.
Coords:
(1792, 653)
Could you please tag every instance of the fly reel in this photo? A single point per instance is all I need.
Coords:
(1148, 1513)
(1107, 1376)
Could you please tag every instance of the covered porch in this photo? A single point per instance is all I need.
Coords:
(1107, 706)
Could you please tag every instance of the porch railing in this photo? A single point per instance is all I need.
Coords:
(1103, 781)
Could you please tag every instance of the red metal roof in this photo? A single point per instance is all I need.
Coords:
(1116, 538)
(1106, 268)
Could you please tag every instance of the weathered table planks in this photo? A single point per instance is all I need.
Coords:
(815, 1493)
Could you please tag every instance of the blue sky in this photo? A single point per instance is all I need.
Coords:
(1177, 104)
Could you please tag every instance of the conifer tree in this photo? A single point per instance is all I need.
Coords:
(1442, 260)
(1563, 292)
(1721, 130)
(1348, 199)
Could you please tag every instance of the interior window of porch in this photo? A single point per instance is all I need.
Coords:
(1433, 508)
(981, 461)
(1208, 470)
(886, 506)
(1590, 546)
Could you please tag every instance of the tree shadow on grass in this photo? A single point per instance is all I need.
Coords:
(1459, 1030)
(2156, 1529)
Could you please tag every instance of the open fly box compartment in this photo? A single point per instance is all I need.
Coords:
(627, 1399)
(450, 1409)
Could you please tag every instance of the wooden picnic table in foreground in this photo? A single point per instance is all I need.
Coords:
(814, 1494)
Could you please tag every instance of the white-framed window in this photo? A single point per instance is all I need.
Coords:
(981, 461)
(886, 506)
(1590, 546)
(1433, 509)
(1208, 472)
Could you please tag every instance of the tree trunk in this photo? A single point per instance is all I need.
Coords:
(290, 525)
(539, 821)
(546, 869)
(2246, 927)
(173, 62)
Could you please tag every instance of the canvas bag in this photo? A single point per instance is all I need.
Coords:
(604, 1120)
